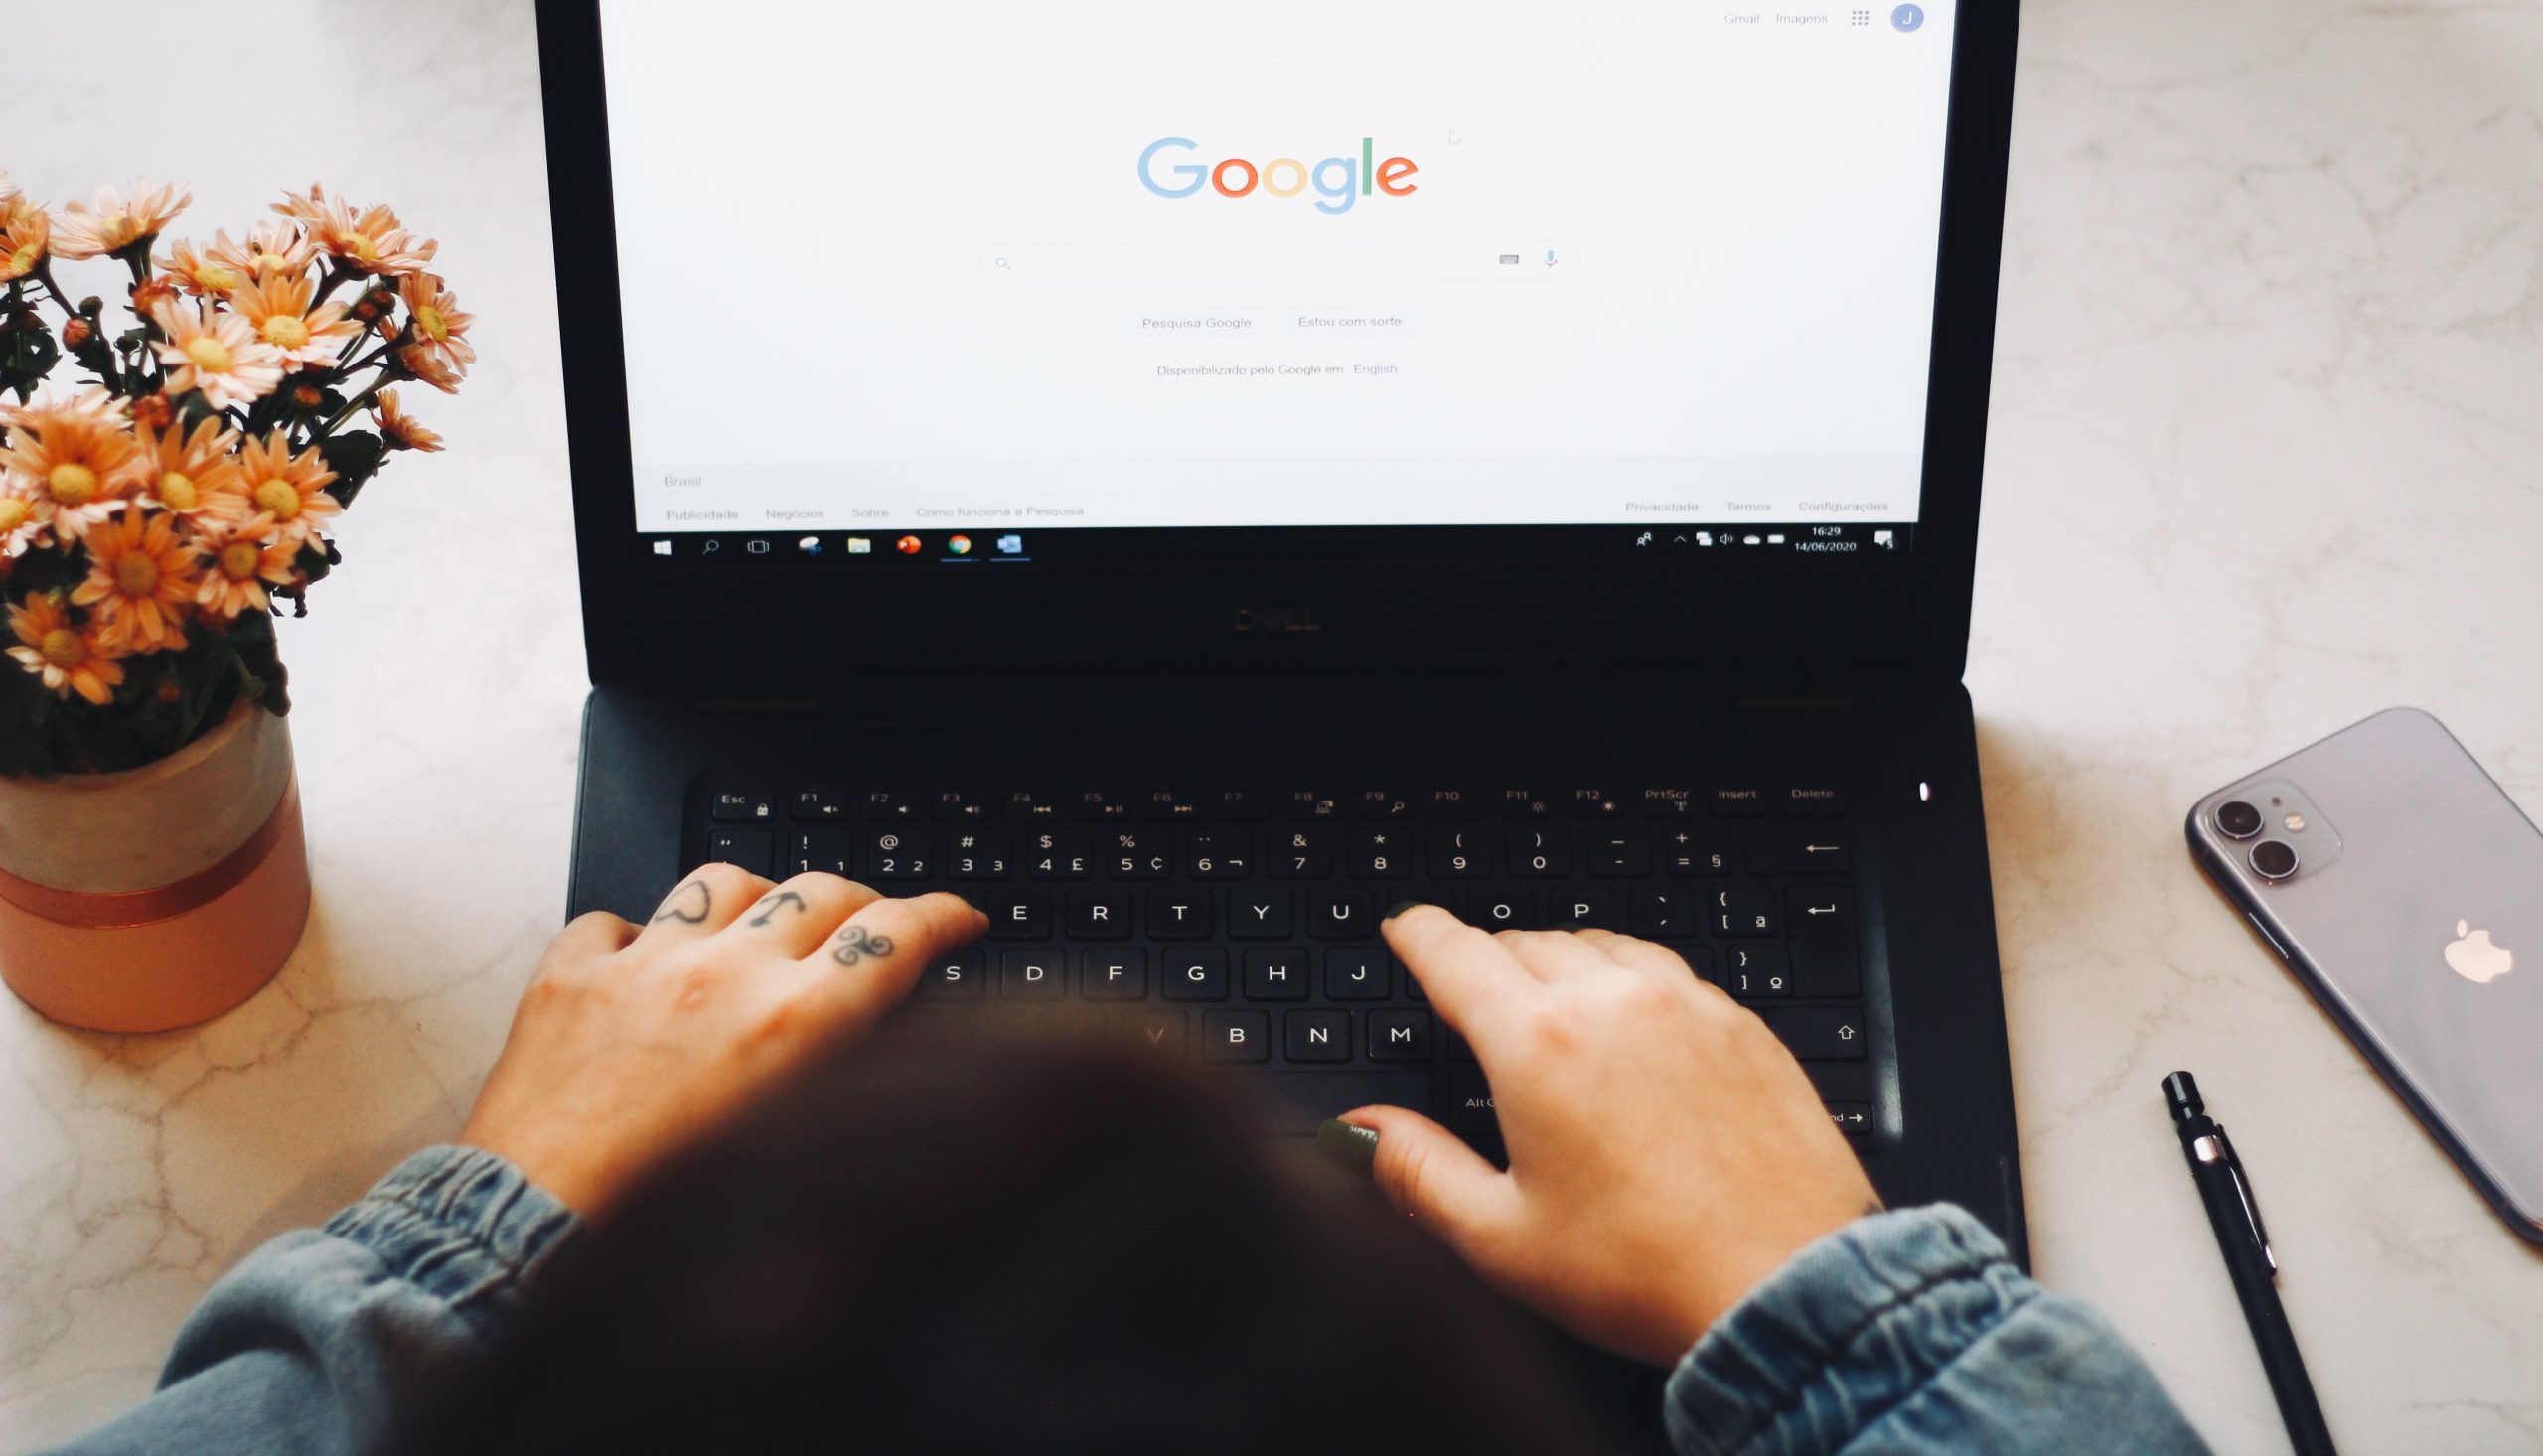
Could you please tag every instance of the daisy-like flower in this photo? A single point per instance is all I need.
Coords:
(277, 308)
(72, 465)
(431, 366)
(20, 525)
(115, 223)
(368, 242)
(400, 429)
(436, 323)
(216, 353)
(26, 237)
(270, 248)
(67, 656)
(140, 579)
(288, 492)
(205, 273)
(240, 566)
(195, 476)
(92, 404)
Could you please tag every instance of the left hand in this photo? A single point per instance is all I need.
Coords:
(628, 1043)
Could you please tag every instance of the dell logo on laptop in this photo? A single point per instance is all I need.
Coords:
(1277, 618)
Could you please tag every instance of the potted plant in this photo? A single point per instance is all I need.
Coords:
(177, 481)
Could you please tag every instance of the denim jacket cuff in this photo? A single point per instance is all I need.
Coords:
(460, 1224)
(1854, 1323)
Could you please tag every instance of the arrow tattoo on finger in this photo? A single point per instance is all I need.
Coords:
(769, 907)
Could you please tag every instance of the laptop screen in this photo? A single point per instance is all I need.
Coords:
(1009, 282)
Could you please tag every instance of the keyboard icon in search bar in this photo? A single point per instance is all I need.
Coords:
(1357, 260)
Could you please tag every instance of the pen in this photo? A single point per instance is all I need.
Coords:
(2236, 1215)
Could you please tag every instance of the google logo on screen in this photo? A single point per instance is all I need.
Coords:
(1338, 181)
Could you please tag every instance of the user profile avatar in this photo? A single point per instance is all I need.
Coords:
(906, 545)
(958, 545)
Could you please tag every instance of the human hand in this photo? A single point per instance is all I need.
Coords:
(631, 1042)
(1666, 1152)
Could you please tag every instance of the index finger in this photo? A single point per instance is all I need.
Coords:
(1471, 978)
(876, 957)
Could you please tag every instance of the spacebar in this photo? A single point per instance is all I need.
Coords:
(1300, 1100)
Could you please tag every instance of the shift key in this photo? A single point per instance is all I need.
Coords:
(1819, 1033)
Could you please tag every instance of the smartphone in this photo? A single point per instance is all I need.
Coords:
(2405, 889)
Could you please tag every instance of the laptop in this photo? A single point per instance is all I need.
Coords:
(1189, 484)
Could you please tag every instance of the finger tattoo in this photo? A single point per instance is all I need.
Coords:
(769, 907)
(856, 944)
(684, 906)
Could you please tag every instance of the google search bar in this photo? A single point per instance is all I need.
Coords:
(1341, 261)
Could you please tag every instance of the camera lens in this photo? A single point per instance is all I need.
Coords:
(2274, 860)
(2238, 819)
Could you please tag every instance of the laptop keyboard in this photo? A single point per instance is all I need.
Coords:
(1239, 927)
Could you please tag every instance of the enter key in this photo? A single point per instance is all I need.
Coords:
(1826, 959)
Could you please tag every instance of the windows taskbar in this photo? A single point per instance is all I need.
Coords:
(993, 546)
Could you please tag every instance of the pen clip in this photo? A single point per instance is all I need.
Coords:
(2243, 1190)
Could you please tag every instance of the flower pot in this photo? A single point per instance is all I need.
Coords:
(159, 896)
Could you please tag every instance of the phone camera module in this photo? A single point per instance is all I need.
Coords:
(2272, 859)
(2238, 820)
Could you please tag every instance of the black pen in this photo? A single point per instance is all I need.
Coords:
(2236, 1215)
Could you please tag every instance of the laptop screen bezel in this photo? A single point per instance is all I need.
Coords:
(741, 633)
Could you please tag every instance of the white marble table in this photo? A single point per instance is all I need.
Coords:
(2266, 455)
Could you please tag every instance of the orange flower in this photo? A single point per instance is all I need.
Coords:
(204, 274)
(25, 236)
(67, 656)
(272, 248)
(430, 367)
(114, 223)
(436, 323)
(195, 476)
(277, 307)
(140, 578)
(240, 564)
(72, 465)
(216, 353)
(368, 241)
(400, 429)
(288, 493)
(19, 522)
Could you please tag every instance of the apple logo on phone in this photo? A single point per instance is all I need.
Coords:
(2471, 955)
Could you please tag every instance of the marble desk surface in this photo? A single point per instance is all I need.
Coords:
(2266, 455)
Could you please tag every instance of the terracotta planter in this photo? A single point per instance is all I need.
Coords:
(160, 896)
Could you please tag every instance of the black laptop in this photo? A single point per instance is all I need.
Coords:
(1189, 484)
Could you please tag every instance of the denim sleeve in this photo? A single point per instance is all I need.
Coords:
(1912, 1332)
(324, 1340)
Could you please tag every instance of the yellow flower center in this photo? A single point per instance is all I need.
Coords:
(24, 259)
(434, 325)
(177, 491)
(239, 559)
(136, 575)
(72, 483)
(209, 355)
(269, 264)
(286, 330)
(278, 499)
(13, 514)
(63, 647)
(118, 231)
(365, 248)
(217, 277)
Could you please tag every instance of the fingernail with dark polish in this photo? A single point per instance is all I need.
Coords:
(1401, 906)
(1350, 1147)
(1571, 925)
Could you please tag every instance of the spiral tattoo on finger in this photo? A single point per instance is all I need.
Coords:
(855, 944)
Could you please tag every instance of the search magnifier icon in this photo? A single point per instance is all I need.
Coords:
(711, 546)
(1002, 264)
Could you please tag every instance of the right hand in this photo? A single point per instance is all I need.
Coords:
(1667, 1153)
